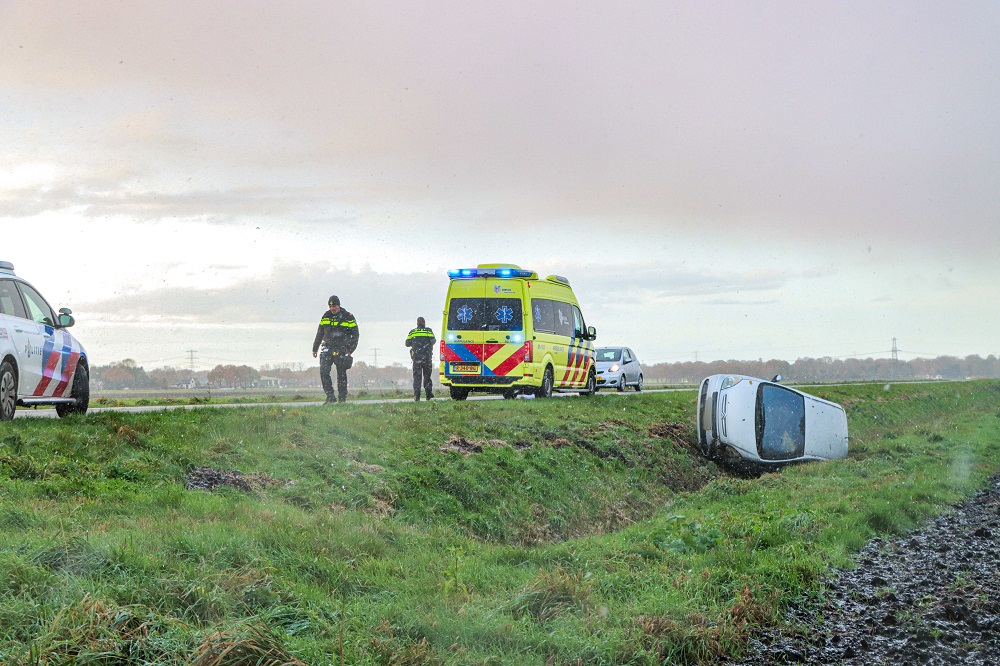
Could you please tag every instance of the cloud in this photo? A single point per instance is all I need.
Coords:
(291, 293)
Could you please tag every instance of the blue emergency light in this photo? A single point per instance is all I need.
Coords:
(489, 272)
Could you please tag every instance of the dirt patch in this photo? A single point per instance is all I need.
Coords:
(929, 597)
(468, 446)
(209, 478)
(680, 434)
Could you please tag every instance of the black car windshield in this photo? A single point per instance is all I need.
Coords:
(609, 355)
(485, 314)
(781, 423)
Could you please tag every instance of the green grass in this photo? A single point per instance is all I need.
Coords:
(578, 531)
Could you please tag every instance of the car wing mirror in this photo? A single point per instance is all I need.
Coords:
(776, 378)
(591, 333)
(65, 311)
(65, 319)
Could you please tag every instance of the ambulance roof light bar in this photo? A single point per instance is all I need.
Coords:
(505, 272)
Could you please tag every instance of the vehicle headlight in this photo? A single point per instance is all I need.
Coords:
(613, 368)
(730, 381)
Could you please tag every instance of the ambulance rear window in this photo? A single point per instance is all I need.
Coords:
(485, 314)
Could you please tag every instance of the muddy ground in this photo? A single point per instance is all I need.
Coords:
(930, 597)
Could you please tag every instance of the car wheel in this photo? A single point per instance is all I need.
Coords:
(81, 391)
(591, 387)
(8, 391)
(545, 390)
(458, 393)
(638, 385)
(621, 383)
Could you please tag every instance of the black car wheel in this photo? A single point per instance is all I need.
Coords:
(8, 391)
(458, 393)
(621, 383)
(591, 387)
(81, 391)
(638, 386)
(545, 390)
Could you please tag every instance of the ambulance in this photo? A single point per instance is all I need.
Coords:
(40, 362)
(508, 332)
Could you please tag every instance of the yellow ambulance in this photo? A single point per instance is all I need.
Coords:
(508, 332)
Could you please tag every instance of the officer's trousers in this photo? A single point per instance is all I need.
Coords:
(422, 369)
(326, 363)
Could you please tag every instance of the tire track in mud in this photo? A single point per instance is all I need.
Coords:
(929, 597)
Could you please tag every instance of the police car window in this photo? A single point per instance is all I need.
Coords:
(781, 423)
(38, 309)
(10, 300)
(485, 314)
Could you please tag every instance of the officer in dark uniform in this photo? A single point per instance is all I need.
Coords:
(338, 335)
(421, 343)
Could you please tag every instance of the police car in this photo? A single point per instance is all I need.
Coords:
(40, 362)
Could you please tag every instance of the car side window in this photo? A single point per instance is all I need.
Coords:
(10, 300)
(627, 356)
(580, 327)
(38, 309)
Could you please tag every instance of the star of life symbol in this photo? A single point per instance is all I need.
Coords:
(504, 314)
(464, 314)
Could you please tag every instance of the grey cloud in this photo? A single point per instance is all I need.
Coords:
(290, 293)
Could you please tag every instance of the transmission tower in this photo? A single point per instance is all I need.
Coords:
(191, 353)
(375, 354)
(895, 351)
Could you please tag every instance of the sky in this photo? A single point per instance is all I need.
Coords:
(717, 180)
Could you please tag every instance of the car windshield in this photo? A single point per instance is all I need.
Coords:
(609, 355)
(781, 423)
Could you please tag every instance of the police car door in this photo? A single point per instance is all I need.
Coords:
(20, 332)
(46, 360)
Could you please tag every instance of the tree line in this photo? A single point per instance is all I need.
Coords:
(127, 374)
(831, 369)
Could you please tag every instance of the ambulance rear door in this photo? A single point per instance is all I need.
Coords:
(503, 340)
(465, 323)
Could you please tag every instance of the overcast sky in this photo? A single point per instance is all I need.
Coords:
(718, 180)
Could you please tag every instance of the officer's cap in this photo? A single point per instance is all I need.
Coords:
(334, 300)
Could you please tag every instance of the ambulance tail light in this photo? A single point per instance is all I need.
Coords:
(441, 353)
(527, 351)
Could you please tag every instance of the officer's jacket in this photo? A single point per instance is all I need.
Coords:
(337, 332)
(421, 341)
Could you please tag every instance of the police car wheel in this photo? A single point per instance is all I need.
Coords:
(8, 391)
(81, 391)
(545, 390)
(638, 385)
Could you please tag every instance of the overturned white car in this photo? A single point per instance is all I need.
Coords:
(758, 421)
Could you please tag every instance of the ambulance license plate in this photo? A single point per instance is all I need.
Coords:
(465, 368)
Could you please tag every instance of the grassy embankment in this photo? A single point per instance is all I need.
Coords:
(576, 531)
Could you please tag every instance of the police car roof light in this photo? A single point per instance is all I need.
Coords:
(6, 265)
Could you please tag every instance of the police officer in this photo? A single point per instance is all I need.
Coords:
(338, 333)
(421, 343)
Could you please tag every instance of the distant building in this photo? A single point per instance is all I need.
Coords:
(269, 382)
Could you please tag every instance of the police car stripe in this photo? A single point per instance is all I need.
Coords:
(50, 358)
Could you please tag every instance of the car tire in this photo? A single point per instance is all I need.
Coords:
(8, 391)
(638, 384)
(458, 393)
(591, 387)
(621, 384)
(509, 394)
(81, 391)
(548, 382)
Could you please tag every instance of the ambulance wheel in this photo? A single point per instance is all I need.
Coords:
(8, 391)
(638, 386)
(458, 393)
(81, 391)
(509, 394)
(591, 387)
(545, 390)
(621, 384)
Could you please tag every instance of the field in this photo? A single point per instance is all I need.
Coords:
(566, 531)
